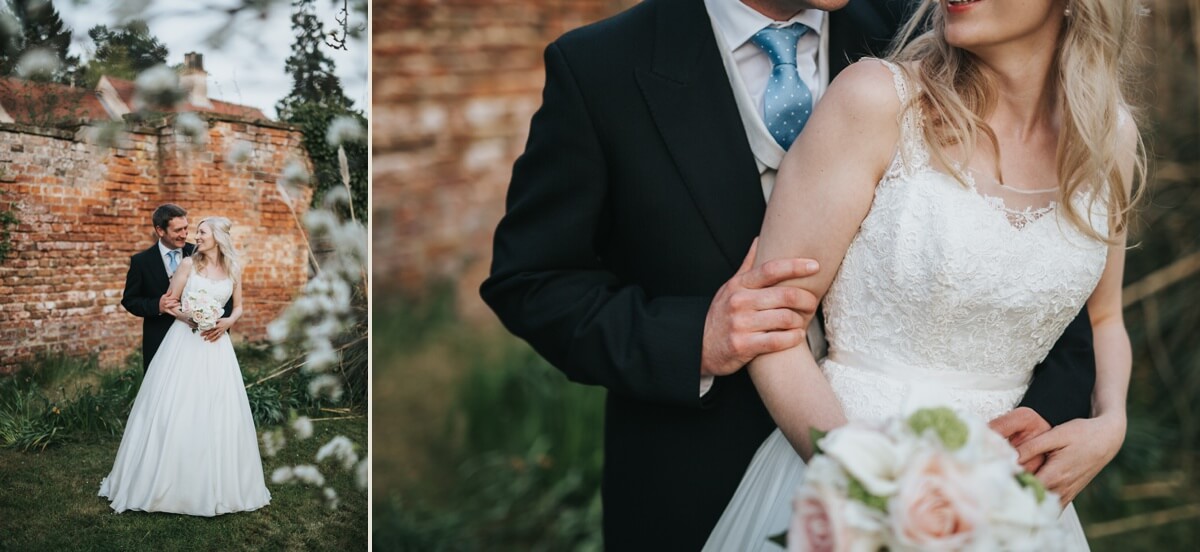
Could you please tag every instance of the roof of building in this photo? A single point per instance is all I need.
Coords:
(125, 89)
(41, 103)
(48, 104)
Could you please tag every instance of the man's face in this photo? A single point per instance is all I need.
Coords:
(175, 235)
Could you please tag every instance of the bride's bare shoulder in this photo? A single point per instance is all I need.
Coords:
(867, 87)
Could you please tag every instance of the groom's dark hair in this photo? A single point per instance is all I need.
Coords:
(165, 212)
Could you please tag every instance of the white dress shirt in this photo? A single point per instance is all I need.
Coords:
(748, 67)
(166, 259)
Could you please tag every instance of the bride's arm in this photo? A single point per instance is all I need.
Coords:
(1078, 449)
(175, 291)
(823, 191)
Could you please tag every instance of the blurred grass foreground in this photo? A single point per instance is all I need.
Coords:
(482, 446)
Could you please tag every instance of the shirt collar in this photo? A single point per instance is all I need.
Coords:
(738, 22)
(163, 250)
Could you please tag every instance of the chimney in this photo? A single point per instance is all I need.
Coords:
(195, 80)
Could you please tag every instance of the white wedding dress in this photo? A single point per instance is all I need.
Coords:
(947, 295)
(190, 446)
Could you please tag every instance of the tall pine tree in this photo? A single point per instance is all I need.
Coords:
(313, 78)
(123, 52)
(315, 100)
(41, 28)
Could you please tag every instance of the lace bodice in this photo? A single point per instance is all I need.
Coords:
(948, 294)
(221, 289)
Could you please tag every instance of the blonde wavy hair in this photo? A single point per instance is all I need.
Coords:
(227, 255)
(1092, 65)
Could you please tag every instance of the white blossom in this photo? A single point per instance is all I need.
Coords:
(343, 130)
(309, 474)
(157, 87)
(325, 385)
(331, 498)
(38, 62)
(273, 442)
(321, 356)
(294, 174)
(360, 476)
(303, 427)
(320, 221)
(277, 330)
(341, 449)
(239, 152)
(191, 126)
(282, 475)
(9, 29)
(105, 134)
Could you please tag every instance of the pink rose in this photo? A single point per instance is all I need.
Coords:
(933, 509)
(816, 522)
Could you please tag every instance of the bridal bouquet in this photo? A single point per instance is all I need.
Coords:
(932, 481)
(203, 309)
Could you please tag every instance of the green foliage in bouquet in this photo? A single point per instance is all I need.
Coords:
(944, 423)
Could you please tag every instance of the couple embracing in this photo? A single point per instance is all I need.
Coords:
(189, 445)
(957, 209)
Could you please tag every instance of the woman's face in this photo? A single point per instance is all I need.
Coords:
(980, 25)
(204, 239)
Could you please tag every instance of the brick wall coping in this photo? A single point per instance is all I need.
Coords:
(150, 126)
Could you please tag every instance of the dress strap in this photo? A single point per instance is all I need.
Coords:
(911, 153)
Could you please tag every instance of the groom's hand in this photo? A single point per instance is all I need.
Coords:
(167, 304)
(749, 317)
(1018, 426)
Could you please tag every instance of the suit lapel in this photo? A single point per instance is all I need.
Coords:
(692, 103)
(157, 270)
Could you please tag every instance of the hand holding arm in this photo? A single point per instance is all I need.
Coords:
(750, 315)
(172, 299)
(166, 304)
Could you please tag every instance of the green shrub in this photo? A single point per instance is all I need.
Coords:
(521, 463)
(26, 416)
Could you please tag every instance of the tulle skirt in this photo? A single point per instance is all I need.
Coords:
(189, 446)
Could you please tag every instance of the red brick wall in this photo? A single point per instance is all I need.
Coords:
(84, 210)
(455, 83)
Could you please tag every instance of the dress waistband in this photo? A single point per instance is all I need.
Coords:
(959, 380)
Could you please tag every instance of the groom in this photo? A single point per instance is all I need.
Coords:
(638, 196)
(150, 274)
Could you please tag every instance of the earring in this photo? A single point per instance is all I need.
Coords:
(1067, 11)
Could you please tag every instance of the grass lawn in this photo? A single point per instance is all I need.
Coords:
(48, 502)
(48, 496)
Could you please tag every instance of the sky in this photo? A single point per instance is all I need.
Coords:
(248, 69)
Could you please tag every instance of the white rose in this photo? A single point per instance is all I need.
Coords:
(869, 456)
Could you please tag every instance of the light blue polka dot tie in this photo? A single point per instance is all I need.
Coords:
(788, 102)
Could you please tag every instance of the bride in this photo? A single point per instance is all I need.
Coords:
(974, 191)
(190, 445)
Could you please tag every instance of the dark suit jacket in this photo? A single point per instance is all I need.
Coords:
(637, 197)
(145, 283)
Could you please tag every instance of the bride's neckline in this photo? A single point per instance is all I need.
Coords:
(209, 279)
